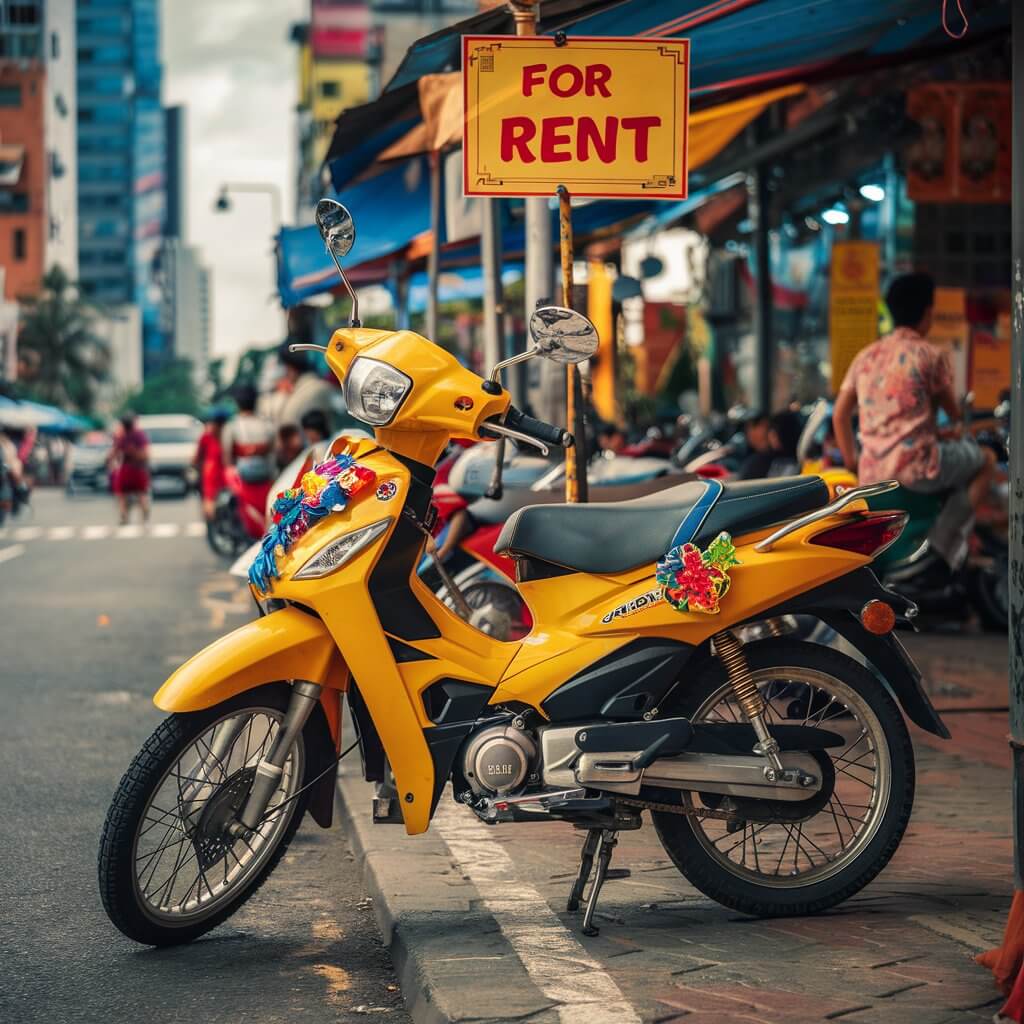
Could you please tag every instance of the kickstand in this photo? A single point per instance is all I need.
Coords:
(608, 842)
(590, 846)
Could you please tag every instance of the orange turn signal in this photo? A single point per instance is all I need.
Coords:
(878, 617)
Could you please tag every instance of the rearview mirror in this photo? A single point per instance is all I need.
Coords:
(563, 335)
(337, 228)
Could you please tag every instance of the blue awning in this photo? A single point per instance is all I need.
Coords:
(389, 210)
(23, 414)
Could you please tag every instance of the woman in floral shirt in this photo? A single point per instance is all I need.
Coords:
(897, 384)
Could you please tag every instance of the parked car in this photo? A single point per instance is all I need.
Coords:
(172, 445)
(87, 465)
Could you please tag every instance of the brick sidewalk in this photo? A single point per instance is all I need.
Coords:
(900, 951)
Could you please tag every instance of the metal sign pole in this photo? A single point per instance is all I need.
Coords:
(572, 482)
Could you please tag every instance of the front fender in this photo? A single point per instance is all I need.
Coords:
(286, 644)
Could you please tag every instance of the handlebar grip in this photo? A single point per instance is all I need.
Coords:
(546, 432)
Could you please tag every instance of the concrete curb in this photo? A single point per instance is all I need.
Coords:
(452, 961)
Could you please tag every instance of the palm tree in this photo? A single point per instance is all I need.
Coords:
(69, 360)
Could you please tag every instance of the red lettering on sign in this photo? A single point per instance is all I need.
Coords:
(597, 80)
(516, 133)
(642, 127)
(575, 80)
(551, 137)
(588, 134)
(533, 74)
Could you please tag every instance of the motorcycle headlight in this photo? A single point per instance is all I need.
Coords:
(375, 390)
(339, 551)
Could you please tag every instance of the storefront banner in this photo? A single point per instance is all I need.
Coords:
(604, 116)
(951, 330)
(853, 303)
(990, 364)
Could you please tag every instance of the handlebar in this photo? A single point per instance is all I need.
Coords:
(548, 433)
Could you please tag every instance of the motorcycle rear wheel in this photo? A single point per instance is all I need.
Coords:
(795, 867)
(167, 873)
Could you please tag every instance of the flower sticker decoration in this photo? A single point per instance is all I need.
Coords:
(695, 580)
(326, 488)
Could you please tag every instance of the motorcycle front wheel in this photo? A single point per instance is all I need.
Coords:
(168, 869)
(782, 859)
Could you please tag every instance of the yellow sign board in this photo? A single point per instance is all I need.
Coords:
(853, 304)
(990, 364)
(603, 116)
(950, 329)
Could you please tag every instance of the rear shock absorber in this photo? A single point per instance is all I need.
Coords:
(730, 652)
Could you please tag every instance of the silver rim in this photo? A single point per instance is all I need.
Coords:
(788, 855)
(174, 837)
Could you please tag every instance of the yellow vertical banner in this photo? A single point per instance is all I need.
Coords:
(602, 368)
(990, 363)
(853, 303)
(951, 330)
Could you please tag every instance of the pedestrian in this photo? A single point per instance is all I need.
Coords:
(298, 391)
(314, 427)
(289, 444)
(897, 385)
(209, 461)
(129, 462)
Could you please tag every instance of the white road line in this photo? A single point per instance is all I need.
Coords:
(556, 962)
(95, 532)
(162, 530)
(195, 530)
(129, 531)
(6, 554)
(27, 533)
(60, 533)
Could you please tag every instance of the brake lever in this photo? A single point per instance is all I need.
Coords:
(515, 435)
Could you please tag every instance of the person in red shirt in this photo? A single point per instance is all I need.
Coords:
(897, 385)
(209, 460)
(129, 460)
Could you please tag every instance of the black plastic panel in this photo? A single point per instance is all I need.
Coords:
(370, 746)
(404, 653)
(444, 742)
(453, 700)
(623, 684)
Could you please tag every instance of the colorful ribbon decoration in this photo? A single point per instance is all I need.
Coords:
(326, 488)
(696, 580)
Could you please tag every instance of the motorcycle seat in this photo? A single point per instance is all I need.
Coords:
(604, 538)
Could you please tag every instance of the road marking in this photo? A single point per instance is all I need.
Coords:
(129, 531)
(27, 532)
(224, 597)
(164, 530)
(555, 961)
(6, 554)
(95, 532)
(102, 531)
(195, 530)
(60, 533)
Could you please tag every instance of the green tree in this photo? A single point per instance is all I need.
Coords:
(66, 361)
(170, 390)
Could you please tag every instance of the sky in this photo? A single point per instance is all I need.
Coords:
(231, 63)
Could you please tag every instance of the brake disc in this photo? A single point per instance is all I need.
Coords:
(211, 839)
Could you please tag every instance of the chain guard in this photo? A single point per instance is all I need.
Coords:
(211, 839)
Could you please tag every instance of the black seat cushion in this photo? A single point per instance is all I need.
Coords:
(613, 537)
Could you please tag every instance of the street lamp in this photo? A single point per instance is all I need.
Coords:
(222, 204)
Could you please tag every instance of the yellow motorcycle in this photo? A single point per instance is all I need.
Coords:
(779, 774)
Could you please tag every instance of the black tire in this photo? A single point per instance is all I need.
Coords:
(688, 851)
(147, 771)
(990, 594)
(222, 534)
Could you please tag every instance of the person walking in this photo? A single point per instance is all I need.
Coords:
(129, 462)
(209, 461)
(897, 385)
(247, 444)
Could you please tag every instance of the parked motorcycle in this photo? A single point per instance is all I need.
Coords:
(632, 692)
(239, 516)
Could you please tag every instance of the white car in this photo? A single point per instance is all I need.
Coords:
(172, 446)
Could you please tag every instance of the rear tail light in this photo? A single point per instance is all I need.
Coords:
(869, 534)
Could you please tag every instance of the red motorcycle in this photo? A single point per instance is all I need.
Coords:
(240, 514)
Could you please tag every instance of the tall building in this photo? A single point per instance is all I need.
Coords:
(176, 218)
(121, 161)
(23, 163)
(61, 137)
(334, 74)
(186, 305)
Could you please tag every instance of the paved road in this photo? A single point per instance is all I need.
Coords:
(93, 620)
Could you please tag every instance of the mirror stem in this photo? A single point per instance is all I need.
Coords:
(520, 358)
(353, 320)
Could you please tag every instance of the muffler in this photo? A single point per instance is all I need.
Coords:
(727, 774)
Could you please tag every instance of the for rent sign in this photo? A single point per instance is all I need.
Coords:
(602, 116)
